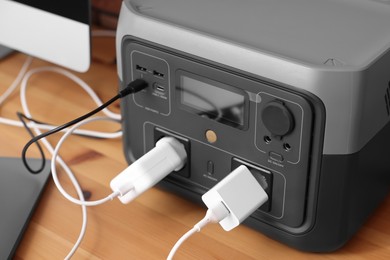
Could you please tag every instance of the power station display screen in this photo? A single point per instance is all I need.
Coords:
(212, 99)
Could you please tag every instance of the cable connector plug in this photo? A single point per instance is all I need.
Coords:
(241, 194)
(133, 87)
(229, 202)
(168, 155)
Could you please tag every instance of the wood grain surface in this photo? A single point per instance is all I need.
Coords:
(148, 227)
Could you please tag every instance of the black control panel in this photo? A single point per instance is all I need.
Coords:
(224, 118)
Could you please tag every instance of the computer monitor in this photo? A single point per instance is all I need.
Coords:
(56, 31)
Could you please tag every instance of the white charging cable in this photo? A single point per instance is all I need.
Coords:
(212, 216)
(59, 160)
(168, 155)
(36, 126)
(229, 202)
(75, 183)
(14, 85)
(33, 125)
(72, 77)
(23, 77)
(54, 170)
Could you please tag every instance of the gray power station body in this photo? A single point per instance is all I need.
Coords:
(296, 90)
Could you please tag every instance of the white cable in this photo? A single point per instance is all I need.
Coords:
(54, 171)
(79, 193)
(229, 210)
(74, 182)
(82, 201)
(81, 83)
(208, 218)
(11, 122)
(37, 127)
(83, 208)
(82, 132)
(72, 77)
(22, 77)
(17, 80)
(58, 159)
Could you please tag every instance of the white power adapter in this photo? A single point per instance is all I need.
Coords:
(240, 193)
(229, 202)
(168, 155)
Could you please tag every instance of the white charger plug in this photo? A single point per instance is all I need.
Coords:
(240, 193)
(168, 155)
(229, 202)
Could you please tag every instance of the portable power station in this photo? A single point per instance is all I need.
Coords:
(296, 90)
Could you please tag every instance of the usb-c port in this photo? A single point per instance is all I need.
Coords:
(159, 87)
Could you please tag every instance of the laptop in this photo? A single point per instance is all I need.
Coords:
(19, 193)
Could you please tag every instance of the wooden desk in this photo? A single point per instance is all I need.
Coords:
(148, 227)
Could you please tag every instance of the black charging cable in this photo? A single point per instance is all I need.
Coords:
(133, 87)
(23, 118)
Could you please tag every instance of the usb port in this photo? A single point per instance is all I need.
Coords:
(140, 68)
(158, 74)
(158, 87)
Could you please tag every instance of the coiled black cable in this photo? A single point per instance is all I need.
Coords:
(132, 87)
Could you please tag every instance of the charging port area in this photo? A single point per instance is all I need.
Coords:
(160, 133)
(155, 71)
(263, 176)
